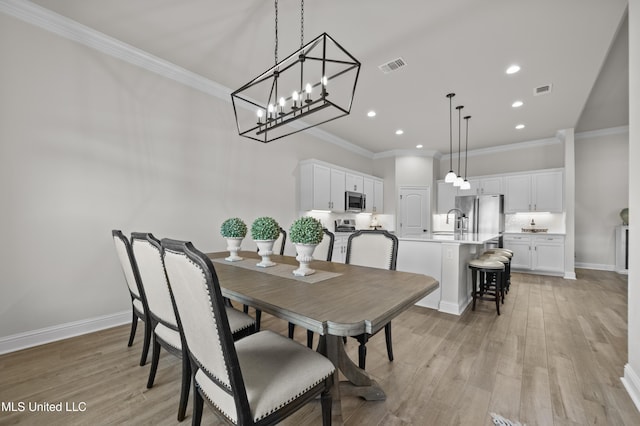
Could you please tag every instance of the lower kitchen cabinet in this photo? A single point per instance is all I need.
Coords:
(536, 253)
(339, 249)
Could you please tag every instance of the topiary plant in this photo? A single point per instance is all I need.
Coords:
(265, 228)
(233, 228)
(306, 230)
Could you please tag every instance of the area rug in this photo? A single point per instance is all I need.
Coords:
(501, 421)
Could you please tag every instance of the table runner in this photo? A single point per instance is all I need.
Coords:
(281, 269)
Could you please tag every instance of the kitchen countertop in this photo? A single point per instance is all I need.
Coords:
(535, 234)
(450, 237)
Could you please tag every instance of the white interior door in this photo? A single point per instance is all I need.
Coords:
(415, 210)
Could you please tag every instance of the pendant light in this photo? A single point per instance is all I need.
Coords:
(458, 181)
(451, 176)
(465, 184)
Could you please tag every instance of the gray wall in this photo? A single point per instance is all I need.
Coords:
(89, 143)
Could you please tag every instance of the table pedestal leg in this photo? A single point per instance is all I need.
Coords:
(359, 382)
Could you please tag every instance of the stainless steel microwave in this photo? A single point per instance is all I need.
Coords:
(354, 202)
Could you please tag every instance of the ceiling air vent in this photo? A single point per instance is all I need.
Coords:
(542, 90)
(394, 65)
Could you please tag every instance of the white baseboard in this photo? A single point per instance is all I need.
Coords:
(569, 275)
(453, 308)
(596, 266)
(631, 382)
(32, 338)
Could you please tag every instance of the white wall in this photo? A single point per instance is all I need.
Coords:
(602, 190)
(632, 369)
(88, 144)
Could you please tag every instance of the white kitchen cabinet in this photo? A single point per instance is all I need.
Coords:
(484, 186)
(354, 182)
(548, 253)
(378, 196)
(321, 188)
(374, 193)
(536, 253)
(521, 247)
(339, 249)
(530, 192)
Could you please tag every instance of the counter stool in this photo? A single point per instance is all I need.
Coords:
(508, 254)
(505, 261)
(491, 279)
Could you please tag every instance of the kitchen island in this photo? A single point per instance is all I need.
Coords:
(443, 256)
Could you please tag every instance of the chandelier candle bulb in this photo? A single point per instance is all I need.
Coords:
(294, 96)
(271, 110)
(308, 90)
(260, 114)
(282, 103)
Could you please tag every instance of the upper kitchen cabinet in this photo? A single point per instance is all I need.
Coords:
(485, 186)
(374, 193)
(539, 191)
(321, 188)
(354, 182)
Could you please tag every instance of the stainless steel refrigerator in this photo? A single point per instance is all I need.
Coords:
(485, 213)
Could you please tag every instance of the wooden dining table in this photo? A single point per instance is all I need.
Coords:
(338, 300)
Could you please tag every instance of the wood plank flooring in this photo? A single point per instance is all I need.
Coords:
(554, 357)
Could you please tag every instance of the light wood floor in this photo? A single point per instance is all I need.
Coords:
(554, 357)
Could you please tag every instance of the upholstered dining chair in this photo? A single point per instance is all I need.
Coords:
(278, 247)
(138, 299)
(323, 251)
(375, 249)
(258, 380)
(147, 252)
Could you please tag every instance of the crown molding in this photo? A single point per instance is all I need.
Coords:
(75, 31)
(407, 152)
(510, 147)
(602, 132)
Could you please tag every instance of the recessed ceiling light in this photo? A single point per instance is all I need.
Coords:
(517, 104)
(399, 132)
(520, 126)
(418, 146)
(371, 114)
(513, 69)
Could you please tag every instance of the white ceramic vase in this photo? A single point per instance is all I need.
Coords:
(233, 245)
(265, 249)
(305, 255)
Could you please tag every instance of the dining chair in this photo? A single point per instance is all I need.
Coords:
(147, 253)
(138, 299)
(323, 251)
(257, 380)
(375, 249)
(278, 247)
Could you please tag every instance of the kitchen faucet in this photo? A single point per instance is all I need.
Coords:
(459, 217)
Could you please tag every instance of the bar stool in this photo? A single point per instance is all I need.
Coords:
(508, 254)
(490, 273)
(505, 261)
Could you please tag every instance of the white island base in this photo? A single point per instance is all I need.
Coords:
(445, 258)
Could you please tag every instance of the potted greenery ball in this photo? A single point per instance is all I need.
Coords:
(306, 233)
(234, 230)
(264, 231)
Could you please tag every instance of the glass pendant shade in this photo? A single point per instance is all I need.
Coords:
(458, 182)
(450, 177)
(465, 185)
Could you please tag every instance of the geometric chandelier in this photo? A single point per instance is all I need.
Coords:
(313, 85)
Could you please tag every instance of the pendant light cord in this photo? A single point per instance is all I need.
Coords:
(450, 96)
(466, 147)
(275, 53)
(459, 108)
(301, 23)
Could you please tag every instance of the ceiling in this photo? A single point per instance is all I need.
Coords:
(461, 46)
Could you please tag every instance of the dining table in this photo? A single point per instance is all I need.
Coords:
(336, 301)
